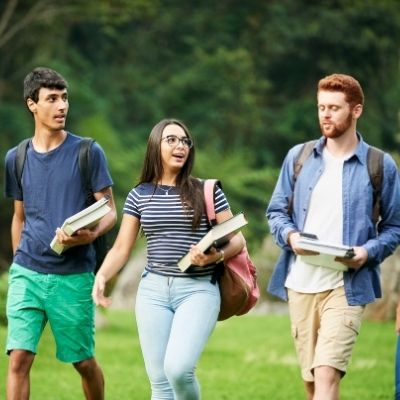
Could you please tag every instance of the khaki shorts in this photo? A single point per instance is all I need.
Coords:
(324, 329)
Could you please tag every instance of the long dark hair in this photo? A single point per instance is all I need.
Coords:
(191, 189)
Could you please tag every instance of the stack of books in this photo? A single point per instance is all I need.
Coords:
(216, 237)
(325, 252)
(87, 218)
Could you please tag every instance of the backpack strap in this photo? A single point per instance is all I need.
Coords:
(20, 157)
(375, 171)
(209, 188)
(84, 166)
(83, 161)
(304, 153)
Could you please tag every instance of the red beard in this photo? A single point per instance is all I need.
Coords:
(336, 130)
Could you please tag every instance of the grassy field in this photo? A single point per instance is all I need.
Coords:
(250, 357)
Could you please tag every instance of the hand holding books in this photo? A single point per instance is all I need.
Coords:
(211, 256)
(309, 241)
(216, 237)
(326, 254)
(87, 218)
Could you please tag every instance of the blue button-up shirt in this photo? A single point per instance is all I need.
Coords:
(361, 285)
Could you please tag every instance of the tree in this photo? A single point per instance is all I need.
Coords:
(242, 75)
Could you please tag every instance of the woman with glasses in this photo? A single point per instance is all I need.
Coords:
(176, 311)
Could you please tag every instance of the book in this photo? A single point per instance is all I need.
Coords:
(87, 218)
(327, 252)
(324, 260)
(312, 243)
(216, 237)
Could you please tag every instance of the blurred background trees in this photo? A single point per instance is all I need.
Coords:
(241, 74)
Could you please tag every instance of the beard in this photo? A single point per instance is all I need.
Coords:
(335, 131)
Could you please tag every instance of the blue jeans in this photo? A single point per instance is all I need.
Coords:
(397, 372)
(175, 318)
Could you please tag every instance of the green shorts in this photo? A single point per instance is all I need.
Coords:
(64, 301)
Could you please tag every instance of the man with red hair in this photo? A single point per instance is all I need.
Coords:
(332, 198)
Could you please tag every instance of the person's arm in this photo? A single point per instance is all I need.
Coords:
(116, 258)
(293, 238)
(86, 236)
(398, 317)
(358, 260)
(382, 246)
(109, 220)
(233, 247)
(17, 224)
(280, 221)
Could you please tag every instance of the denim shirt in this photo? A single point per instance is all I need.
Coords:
(361, 285)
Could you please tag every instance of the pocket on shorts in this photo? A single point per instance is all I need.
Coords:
(352, 322)
(348, 335)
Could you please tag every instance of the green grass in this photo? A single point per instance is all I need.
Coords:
(249, 357)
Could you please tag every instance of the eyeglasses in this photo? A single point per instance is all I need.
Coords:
(173, 141)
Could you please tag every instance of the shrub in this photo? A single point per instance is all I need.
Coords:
(3, 297)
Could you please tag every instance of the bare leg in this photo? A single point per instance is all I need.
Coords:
(92, 379)
(19, 366)
(309, 386)
(327, 381)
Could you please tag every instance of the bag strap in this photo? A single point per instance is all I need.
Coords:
(304, 153)
(20, 157)
(302, 156)
(84, 166)
(209, 186)
(84, 161)
(375, 171)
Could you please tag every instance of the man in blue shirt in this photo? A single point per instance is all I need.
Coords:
(333, 199)
(44, 286)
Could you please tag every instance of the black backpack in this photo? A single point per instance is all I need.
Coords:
(375, 171)
(101, 243)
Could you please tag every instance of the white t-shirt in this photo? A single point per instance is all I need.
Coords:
(325, 219)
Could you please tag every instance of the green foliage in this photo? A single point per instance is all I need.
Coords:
(222, 97)
(3, 297)
(242, 75)
(250, 357)
(247, 189)
(122, 166)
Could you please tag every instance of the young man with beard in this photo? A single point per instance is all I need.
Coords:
(44, 286)
(333, 199)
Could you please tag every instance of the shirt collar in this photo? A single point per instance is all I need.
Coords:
(360, 153)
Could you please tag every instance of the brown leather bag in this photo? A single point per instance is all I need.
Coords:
(238, 281)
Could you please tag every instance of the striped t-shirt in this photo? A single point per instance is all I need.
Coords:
(168, 227)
